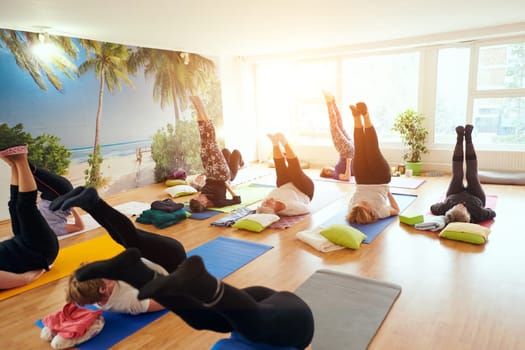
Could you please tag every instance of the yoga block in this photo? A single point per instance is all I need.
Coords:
(411, 219)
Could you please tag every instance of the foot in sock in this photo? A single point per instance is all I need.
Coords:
(85, 199)
(460, 131)
(57, 203)
(122, 267)
(190, 278)
(468, 133)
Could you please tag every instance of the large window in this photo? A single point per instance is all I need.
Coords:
(477, 82)
(495, 99)
(293, 91)
(389, 84)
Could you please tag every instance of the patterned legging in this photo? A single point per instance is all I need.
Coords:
(215, 166)
(342, 141)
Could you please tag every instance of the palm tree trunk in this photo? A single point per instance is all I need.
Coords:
(175, 104)
(99, 112)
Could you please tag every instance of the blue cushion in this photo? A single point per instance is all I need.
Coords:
(238, 342)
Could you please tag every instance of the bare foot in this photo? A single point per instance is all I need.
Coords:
(282, 138)
(355, 111)
(329, 98)
(362, 108)
(274, 138)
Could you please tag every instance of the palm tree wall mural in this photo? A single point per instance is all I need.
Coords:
(148, 90)
(176, 75)
(109, 63)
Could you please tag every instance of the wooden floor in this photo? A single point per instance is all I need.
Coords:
(455, 295)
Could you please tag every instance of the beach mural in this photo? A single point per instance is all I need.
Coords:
(103, 114)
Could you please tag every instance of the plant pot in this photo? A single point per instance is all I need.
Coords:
(415, 167)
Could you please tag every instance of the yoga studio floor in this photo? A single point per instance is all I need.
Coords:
(454, 295)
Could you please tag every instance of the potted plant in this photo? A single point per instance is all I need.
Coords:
(413, 133)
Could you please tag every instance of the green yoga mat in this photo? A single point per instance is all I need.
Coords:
(348, 310)
(249, 195)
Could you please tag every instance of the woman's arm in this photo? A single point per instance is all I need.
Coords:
(394, 207)
(229, 189)
(154, 306)
(78, 225)
(12, 280)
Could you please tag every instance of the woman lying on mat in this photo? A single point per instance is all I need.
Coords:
(294, 189)
(257, 313)
(342, 142)
(162, 254)
(372, 199)
(464, 203)
(218, 170)
(52, 186)
(34, 245)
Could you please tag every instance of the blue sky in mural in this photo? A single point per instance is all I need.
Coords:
(128, 115)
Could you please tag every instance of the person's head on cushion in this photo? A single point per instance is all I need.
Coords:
(93, 291)
(362, 213)
(270, 206)
(458, 213)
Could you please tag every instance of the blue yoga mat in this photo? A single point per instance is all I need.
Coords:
(222, 256)
(202, 215)
(373, 230)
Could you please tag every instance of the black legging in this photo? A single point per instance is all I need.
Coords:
(34, 245)
(369, 166)
(50, 185)
(292, 172)
(258, 313)
(234, 160)
(165, 251)
(456, 182)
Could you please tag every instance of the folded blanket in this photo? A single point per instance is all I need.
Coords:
(161, 219)
(232, 218)
(431, 223)
(314, 239)
(167, 205)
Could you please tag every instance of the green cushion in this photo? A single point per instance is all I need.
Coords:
(180, 190)
(344, 235)
(411, 219)
(465, 232)
(256, 222)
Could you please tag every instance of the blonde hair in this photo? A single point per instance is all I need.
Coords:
(457, 214)
(360, 214)
(85, 292)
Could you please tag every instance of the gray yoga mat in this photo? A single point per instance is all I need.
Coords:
(348, 310)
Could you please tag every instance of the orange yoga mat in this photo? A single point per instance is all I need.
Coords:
(69, 259)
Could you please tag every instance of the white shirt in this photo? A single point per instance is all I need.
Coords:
(296, 202)
(123, 298)
(375, 195)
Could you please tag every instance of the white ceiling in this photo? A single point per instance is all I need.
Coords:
(249, 27)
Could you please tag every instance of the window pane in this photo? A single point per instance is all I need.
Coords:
(501, 67)
(310, 118)
(388, 84)
(499, 121)
(451, 93)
